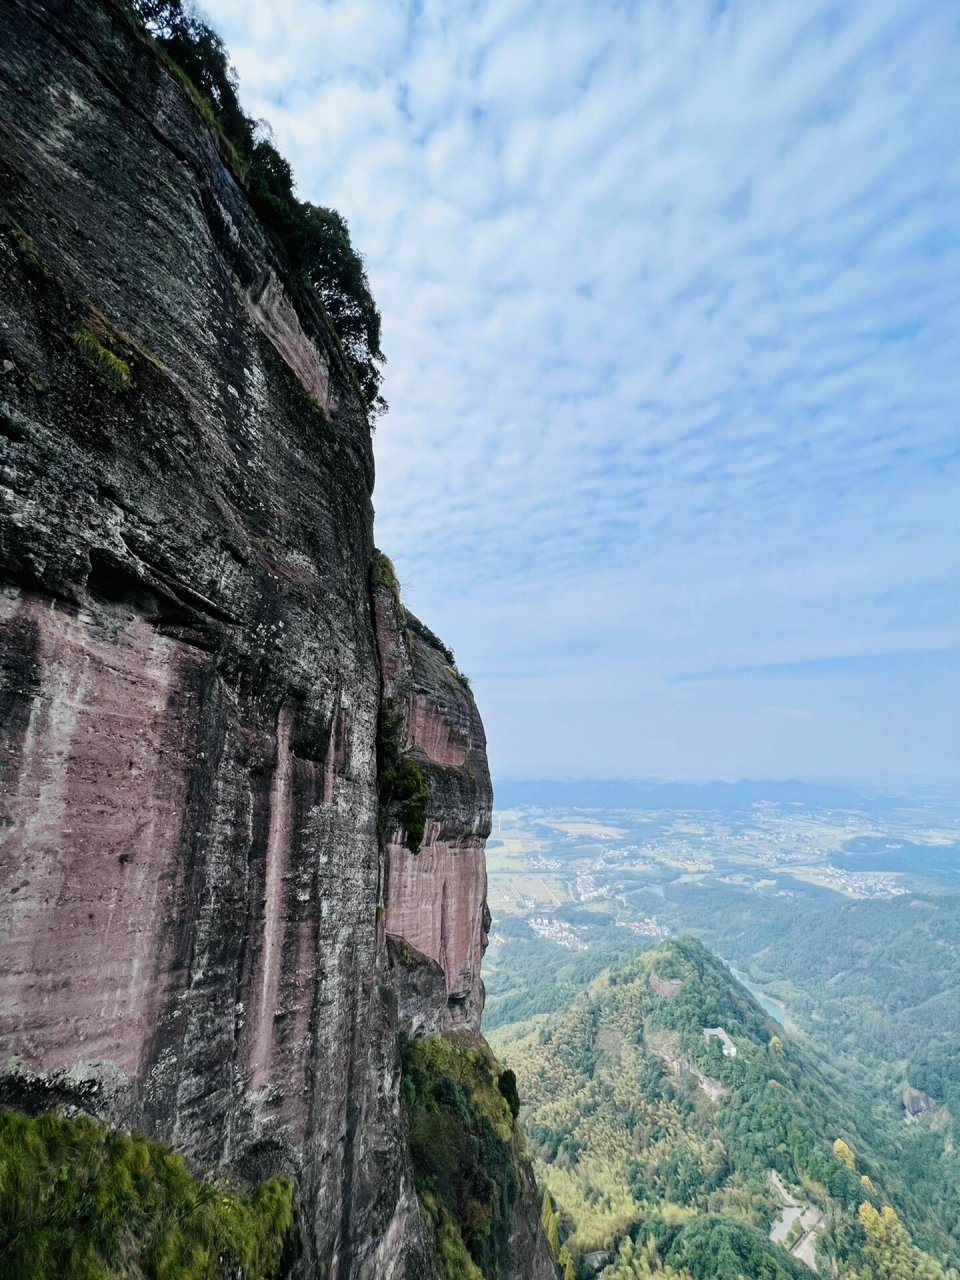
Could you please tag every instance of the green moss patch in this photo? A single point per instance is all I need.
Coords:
(109, 367)
(461, 1144)
(109, 351)
(402, 784)
(455, 1260)
(26, 249)
(79, 1201)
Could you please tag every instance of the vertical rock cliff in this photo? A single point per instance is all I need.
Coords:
(437, 897)
(193, 664)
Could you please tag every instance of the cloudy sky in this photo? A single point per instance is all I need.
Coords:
(671, 301)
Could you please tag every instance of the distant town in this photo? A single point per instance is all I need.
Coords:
(566, 871)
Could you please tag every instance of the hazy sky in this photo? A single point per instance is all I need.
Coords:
(671, 301)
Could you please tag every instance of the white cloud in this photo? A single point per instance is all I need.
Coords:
(670, 297)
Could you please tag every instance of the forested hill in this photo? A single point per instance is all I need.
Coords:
(676, 1126)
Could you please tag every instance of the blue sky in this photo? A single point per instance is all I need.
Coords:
(671, 301)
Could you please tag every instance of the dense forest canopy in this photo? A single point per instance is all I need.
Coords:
(316, 240)
(661, 1142)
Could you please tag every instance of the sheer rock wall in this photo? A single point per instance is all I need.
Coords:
(191, 881)
(436, 898)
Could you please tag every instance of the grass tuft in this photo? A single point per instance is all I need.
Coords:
(384, 573)
(99, 341)
(26, 248)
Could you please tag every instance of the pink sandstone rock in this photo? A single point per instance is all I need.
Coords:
(428, 731)
(436, 898)
(91, 812)
(436, 901)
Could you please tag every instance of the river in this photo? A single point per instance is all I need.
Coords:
(776, 1010)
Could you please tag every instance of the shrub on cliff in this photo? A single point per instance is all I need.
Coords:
(79, 1201)
(508, 1087)
(315, 239)
(423, 631)
(461, 1130)
(401, 784)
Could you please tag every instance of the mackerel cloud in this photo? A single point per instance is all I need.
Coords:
(671, 296)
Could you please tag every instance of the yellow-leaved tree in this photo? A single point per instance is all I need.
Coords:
(889, 1253)
(844, 1155)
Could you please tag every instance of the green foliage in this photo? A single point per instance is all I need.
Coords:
(632, 1140)
(637, 1260)
(461, 1144)
(877, 982)
(402, 784)
(418, 628)
(23, 244)
(29, 256)
(384, 574)
(452, 1254)
(548, 1220)
(423, 631)
(508, 1087)
(324, 252)
(935, 1069)
(79, 1201)
(113, 371)
(721, 1248)
(540, 977)
(877, 979)
(316, 240)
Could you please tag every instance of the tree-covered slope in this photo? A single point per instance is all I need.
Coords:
(675, 1124)
(874, 979)
(81, 1201)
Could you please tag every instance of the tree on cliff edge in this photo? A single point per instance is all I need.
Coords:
(316, 239)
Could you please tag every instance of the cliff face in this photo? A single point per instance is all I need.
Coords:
(437, 897)
(190, 679)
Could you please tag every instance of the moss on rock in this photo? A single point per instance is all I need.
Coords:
(461, 1143)
(109, 367)
(402, 784)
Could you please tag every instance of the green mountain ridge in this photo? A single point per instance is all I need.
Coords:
(675, 1125)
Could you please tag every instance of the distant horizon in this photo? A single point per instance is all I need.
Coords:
(914, 788)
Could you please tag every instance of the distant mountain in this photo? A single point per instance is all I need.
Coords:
(724, 797)
(682, 1132)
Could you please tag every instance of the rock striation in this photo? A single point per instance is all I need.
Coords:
(437, 898)
(194, 899)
